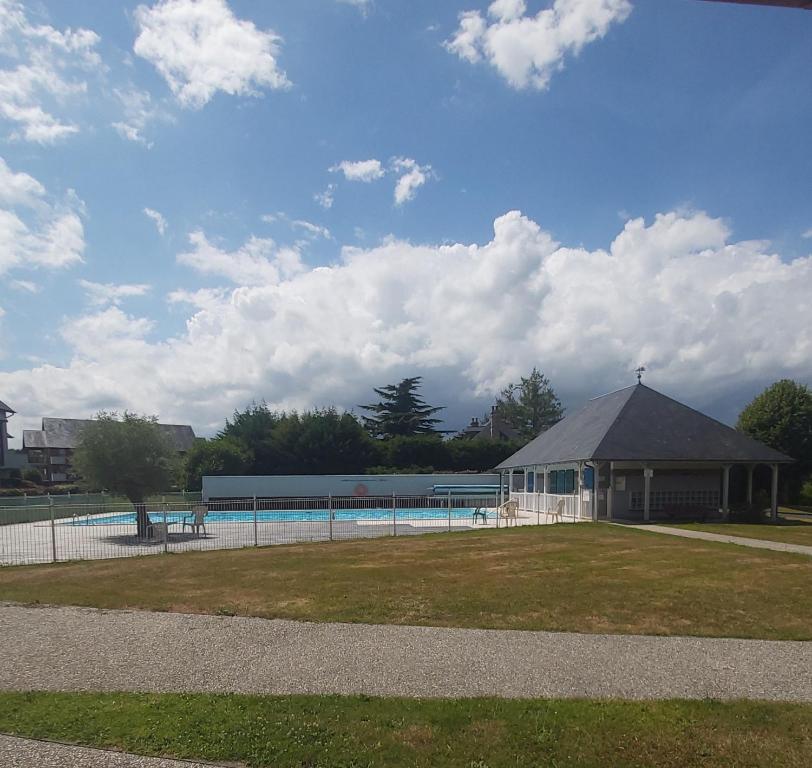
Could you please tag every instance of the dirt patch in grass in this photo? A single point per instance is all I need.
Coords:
(585, 578)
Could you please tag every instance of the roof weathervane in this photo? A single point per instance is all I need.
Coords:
(640, 371)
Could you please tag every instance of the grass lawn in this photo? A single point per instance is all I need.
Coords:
(471, 733)
(585, 578)
(791, 529)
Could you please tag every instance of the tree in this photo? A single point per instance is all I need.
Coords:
(323, 441)
(781, 417)
(401, 411)
(220, 456)
(127, 455)
(536, 408)
(253, 428)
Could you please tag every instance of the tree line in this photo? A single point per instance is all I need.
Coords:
(399, 433)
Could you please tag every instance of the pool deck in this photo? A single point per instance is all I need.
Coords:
(32, 543)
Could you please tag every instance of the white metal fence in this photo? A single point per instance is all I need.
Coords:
(97, 531)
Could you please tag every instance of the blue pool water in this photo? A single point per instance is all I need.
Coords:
(289, 516)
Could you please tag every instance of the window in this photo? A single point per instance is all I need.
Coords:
(562, 481)
(539, 482)
(531, 482)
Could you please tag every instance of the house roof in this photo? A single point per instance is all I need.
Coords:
(640, 424)
(494, 428)
(4, 408)
(64, 433)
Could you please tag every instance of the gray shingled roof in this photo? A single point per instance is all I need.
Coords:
(64, 433)
(4, 408)
(640, 424)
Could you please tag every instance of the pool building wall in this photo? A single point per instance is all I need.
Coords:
(300, 486)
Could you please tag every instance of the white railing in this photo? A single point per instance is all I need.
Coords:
(548, 507)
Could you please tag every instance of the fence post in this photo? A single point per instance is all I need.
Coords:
(53, 529)
(166, 526)
(330, 513)
(394, 515)
(449, 511)
(256, 532)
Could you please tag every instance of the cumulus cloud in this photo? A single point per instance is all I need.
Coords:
(47, 70)
(258, 261)
(359, 170)
(200, 47)
(307, 228)
(525, 49)
(411, 177)
(36, 230)
(706, 314)
(102, 294)
(807, 234)
(158, 219)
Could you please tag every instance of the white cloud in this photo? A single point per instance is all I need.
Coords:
(48, 70)
(707, 315)
(139, 111)
(101, 294)
(525, 49)
(311, 231)
(200, 48)
(412, 177)
(361, 5)
(259, 261)
(25, 285)
(807, 234)
(35, 230)
(359, 170)
(160, 221)
(327, 198)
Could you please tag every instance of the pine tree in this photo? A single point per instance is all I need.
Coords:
(536, 408)
(401, 411)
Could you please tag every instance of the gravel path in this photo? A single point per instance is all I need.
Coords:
(778, 546)
(84, 649)
(26, 753)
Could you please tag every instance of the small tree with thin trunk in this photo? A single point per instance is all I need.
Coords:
(126, 455)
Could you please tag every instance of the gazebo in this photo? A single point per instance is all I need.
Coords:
(635, 454)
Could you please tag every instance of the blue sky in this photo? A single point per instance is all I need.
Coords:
(334, 192)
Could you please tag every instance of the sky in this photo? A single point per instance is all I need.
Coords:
(205, 203)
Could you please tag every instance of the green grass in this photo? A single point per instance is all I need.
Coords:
(469, 733)
(790, 529)
(584, 578)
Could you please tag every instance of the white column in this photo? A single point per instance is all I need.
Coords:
(610, 490)
(646, 494)
(750, 469)
(595, 485)
(774, 494)
(726, 491)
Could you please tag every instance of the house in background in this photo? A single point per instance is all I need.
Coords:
(635, 454)
(50, 449)
(5, 412)
(494, 428)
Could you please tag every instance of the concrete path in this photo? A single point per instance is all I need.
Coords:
(27, 753)
(778, 546)
(83, 649)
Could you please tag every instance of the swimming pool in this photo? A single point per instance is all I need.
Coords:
(289, 516)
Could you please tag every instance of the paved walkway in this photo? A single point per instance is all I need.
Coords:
(83, 649)
(778, 546)
(27, 753)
